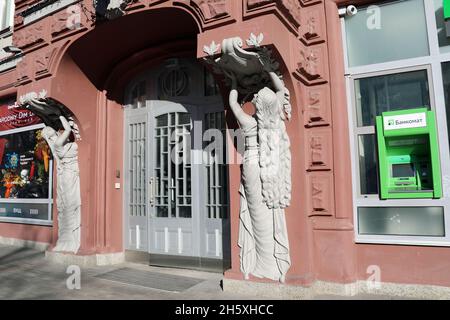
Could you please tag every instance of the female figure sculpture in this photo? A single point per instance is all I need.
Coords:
(266, 182)
(68, 201)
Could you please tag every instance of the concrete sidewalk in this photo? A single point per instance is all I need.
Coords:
(26, 274)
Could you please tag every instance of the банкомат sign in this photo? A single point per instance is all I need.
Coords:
(405, 121)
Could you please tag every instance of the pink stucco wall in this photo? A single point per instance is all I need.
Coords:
(90, 68)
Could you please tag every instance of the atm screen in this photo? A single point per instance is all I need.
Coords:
(403, 170)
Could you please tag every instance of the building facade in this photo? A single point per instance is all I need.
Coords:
(135, 76)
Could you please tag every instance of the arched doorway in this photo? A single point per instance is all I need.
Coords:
(176, 181)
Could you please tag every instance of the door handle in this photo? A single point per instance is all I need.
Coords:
(152, 191)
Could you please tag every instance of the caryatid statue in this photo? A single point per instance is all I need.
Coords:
(60, 134)
(265, 189)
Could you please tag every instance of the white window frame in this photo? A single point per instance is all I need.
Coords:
(6, 22)
(431, 63)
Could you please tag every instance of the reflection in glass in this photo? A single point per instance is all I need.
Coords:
(446, 80)
(405, 221)
(444, 41)
(25, 164)
(368, 164)
(138, 95)
(398, 91)
(397, 31)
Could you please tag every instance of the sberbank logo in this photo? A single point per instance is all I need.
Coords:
(391, 122)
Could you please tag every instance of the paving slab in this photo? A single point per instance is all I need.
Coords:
(26, 274)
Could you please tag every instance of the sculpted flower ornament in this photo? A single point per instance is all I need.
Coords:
(255, 41)
(212, 49)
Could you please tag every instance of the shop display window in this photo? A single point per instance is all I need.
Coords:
(25, 167)
(393, 65)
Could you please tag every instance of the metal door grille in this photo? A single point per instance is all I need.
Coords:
(137, 133)
(216, 170)
(173, 194)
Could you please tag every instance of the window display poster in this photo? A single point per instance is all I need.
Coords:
(25, 164)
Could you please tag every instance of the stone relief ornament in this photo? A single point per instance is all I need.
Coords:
(265, 189)
(61, 134)
(247, 66)
(111, 9)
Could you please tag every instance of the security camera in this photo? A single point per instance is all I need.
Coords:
(351, 10)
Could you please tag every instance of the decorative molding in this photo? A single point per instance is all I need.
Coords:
(43, 62)
(10, 62)
(63, 24)
(212, 9)
(316, 102)
(18, 21)
(312, 68)
(312, 30)
(287, 10)
(210, 13)
(320, 194)
(20, 3)
(327, 223)
(212, 49)
(306, 3)
(32, 95)
(319, 156)
(31, 37)
(38, 11)
(247, 66)
(24, 71)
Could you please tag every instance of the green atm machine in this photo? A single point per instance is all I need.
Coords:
(408, 155)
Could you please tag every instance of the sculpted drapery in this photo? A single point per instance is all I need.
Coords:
(60, 135)
(265, 189)
(68, 200)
